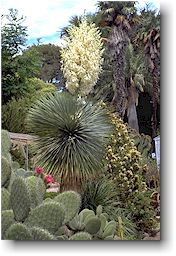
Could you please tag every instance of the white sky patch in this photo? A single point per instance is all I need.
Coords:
(44, 18)
(47, 17)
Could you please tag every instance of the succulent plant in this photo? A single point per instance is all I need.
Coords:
(20, 172)
(109, 229)
(37, 189)
(12, 178)
(71, 202)
(96, 225)
(20, 199)
(41, 234)
(70, 137)
(81, 236)
(93, 225)
(18, 231)
(5, 199)
(5, 171)
(49, 215)
(7, 219)
(5, 144)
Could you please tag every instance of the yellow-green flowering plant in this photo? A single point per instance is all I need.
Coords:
(82, 58)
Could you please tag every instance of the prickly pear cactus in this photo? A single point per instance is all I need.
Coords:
(5, 144)
(7, 219)
(49, 215)
(5, 199)
(20, 199)
(36, 189)
(18, 231)
(5, 171)
(40, 234)
(71, 202)
(93, 225)
(97, 225)
(81, 236)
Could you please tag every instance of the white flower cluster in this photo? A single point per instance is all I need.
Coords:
(82, 58)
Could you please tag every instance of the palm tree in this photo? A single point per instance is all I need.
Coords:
(120, 17)
(71, 137)
(134, 72)
(148, 39)
(152, 51)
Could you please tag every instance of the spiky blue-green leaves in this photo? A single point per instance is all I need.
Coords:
(18, 231)
(71, 202)
(71, 136)
(49, 215)
(20, 199)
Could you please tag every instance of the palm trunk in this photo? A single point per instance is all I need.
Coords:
(132, 117)
(155, 93)
(117, 44)
(154, 99)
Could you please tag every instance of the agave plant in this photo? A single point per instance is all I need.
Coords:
(71, 137)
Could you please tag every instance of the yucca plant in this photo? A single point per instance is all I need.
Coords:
(71, 137)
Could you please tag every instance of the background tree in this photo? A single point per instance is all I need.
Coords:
(134, 74)
(148, 39)
(50, 68)
(13, 39)
(16, 67)
(119, 17)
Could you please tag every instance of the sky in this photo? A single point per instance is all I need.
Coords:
(45, 18)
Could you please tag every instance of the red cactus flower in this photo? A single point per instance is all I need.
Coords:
(39, 170)
(49, 179)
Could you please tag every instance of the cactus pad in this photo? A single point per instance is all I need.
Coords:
(71, 202)
(49, 215)
(18, 231)
(20, 199)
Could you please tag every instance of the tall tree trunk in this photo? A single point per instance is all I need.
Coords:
(155, 93)
(117, 44)
(132, 117)
(131, 108)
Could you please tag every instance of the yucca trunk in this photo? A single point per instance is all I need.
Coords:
(117, 44)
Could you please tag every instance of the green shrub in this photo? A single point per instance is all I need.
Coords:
(14, 114)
